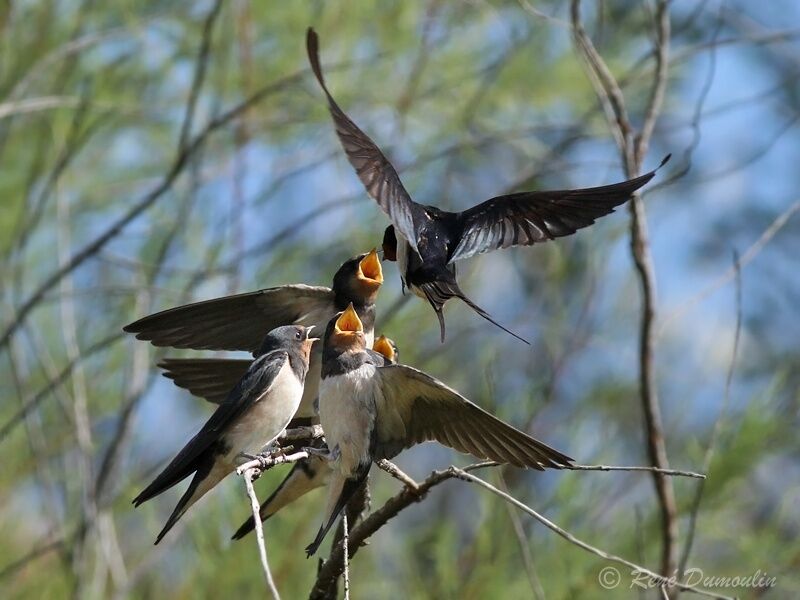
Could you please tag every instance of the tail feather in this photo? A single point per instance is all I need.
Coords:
(207, 476)
(439, 292)
(305, 476)
(345, 488)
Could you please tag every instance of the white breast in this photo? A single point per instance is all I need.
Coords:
(347, 415)
(319, 319)
(268, 416)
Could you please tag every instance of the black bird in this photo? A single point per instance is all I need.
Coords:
(255, 412)
(237, 322)
(371, 410)
(311, 473)
(426, 241)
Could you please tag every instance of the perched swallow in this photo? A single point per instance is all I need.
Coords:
(311, 473)
(426, 241)
(255, 412)
(371, 410)
(234, 323)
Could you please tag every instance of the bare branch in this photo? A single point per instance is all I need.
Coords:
(730, 274)
(663, 581)
(33, 401)
(332, 568)
(263, 463)
(660, 471)
(610, 95)
(262, 548)
(393, 470)
(715, 433)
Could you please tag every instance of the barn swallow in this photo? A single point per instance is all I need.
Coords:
(234, 323)
(370, 410)
(252, 416)
(310, 473)
(426, 241)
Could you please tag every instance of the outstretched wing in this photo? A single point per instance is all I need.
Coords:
(237, 322)
(416, 408)
(372, 167)
(208, 378)
(528, 218)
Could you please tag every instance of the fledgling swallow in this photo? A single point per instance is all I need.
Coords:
(426, 241)
(254, 414)
(370, 410)
(310, 473)
(236, 322)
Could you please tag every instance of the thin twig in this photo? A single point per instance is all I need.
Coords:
(346, 556)
(632, 152)
(462, 474)
(263, 463)
(715, 433)
(182, 158)
(527, 557)
(395, 471)
(332, 568)
(262, 547)
(730, 273)
(670, 472)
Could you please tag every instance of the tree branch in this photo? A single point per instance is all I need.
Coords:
(662, 581)
(262, 548)
(632, 152)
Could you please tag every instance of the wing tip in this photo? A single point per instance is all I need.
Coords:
(664, 161)
(312, 49)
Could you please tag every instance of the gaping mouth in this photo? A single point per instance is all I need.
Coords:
(308, 334)
(348, 322)
(384, 345)
(369, 268)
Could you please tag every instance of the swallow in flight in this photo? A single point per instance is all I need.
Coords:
(426, 241)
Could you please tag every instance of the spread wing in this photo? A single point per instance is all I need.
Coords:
(528, 218)
(237, 322)
(372, 167)
(255, 383)
(208, 378)
(417, 408)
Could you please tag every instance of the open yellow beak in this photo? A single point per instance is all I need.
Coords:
(369, 268)
(348, 322)
(384, 345)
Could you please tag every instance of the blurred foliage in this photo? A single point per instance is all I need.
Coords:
(470, 100)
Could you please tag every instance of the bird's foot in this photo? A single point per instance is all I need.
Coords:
(324, 453)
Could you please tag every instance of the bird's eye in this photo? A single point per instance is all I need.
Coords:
(298, 335)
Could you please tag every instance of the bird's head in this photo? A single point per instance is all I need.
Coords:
(345, 333)
(289, 337)
(385, 346)
(359, 279)
(389, 244)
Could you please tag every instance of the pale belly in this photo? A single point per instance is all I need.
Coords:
(347, 415)
(267, 418)
(311, 390)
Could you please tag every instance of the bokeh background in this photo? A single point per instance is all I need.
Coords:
(470, 99)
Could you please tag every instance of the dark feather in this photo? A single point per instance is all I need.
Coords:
(528, 218)
(247, 391)
(236, 322)
(349, 488)
(209, 378)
